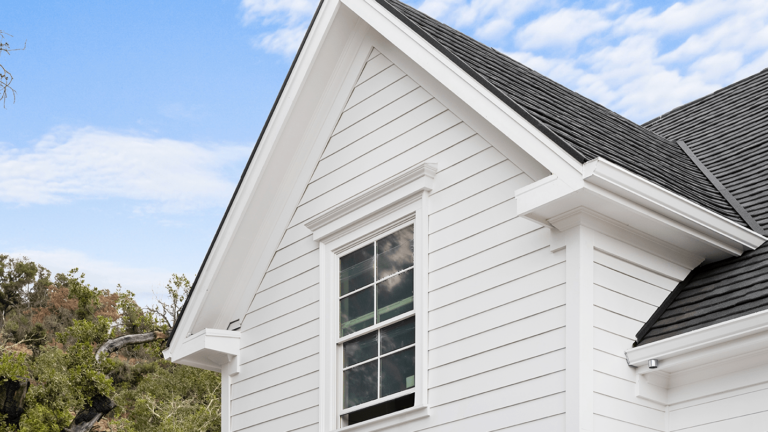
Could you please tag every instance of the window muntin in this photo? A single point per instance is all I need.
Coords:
(376, 286)
(380, 363)
(376, 282)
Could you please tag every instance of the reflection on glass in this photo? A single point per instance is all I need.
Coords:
(394, 252)
(356, 311)
(398, 335)
(356, 269)
(398, 372)
(394, 296)
(360, 349)
(360, 384)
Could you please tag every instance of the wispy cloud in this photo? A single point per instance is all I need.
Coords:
(284, 21)
(104, 274)
(637, 60)
(159, 174)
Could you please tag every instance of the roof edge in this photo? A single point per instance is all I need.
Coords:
(245, 170)
(485, 83)
(663, 308)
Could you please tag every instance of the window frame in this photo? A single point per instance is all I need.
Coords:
(365, 227)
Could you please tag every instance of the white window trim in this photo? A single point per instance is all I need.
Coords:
(392, 204)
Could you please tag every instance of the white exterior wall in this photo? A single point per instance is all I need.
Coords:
(625, 296)
(743, 410)
(496, 292)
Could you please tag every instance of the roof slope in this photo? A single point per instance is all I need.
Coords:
(728, 132)
(575, 121)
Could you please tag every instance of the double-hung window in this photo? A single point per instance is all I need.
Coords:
(377, 327)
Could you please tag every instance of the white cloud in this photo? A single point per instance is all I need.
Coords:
(636, 60)
(162, 174)
(102, 273)
(290, 17)
(564, 28)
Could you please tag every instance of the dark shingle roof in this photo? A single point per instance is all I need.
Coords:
(573, 121)
(728, 132)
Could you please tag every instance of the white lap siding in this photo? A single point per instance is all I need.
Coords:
(496, 292)
(625, 297)
(743, 410)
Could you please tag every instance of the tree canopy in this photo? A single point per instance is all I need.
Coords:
(52, 327)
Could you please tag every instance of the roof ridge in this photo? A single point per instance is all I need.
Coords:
(650, 122)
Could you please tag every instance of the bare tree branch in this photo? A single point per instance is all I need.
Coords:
(113, 345)
(5, 76)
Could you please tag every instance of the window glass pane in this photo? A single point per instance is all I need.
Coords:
(394, 296)
(360, 384)
(356, 311)
(398, 335)
(361, 349)
(356, 270)
(398, 372)
(395, 252)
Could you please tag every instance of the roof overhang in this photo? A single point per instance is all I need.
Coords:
(620, 195)
(209, 349)
(709, 360)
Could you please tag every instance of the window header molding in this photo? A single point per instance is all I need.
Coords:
(388, 196)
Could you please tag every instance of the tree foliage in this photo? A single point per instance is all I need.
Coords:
(51, 329)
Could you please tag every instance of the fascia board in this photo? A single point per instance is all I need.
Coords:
(254, 172)
(498, 113)
(620, 181)
(701, 340)
(212, 348)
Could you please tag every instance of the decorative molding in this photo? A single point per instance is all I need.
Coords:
(212, 349)
(618, 180)
(359, 210)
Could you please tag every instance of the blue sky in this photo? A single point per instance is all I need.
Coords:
(134, 120)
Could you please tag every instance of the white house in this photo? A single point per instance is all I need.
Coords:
(431, 236)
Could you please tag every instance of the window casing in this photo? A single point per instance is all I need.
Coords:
(398, 203)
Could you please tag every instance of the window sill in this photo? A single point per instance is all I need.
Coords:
(388, 421)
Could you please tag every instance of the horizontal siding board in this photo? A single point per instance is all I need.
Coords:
(277, 376)
(497, 296)
(478, 202)
(747, 423)
(283, 408)
(480, 241)
(513, 352)
(337, 186)
(293, 251)
(613, 365)
(616, 388)
(291, 320)
(280, 341)
(533, 407)
(286, 305)
(273, 361)
(499, 336)
(374, 85)
(538, 258)
(382, 172)
(368, 125)
(621, 304)
(611, 343)
(287, 423)
(719, 411)
(280, 291)
(290, 269)
(374, 103)
(467, 168)
(356, 160)
(276, 393)
(615, 323)
(488, 259)
(615, 408)
(294, 234)
(482, 221)
(470, 186)
(432, 115)
(497, 317)
(629, 286)
(515, 373)
(607, 424)
(555, 423)
(634, 271)
(373, 67)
